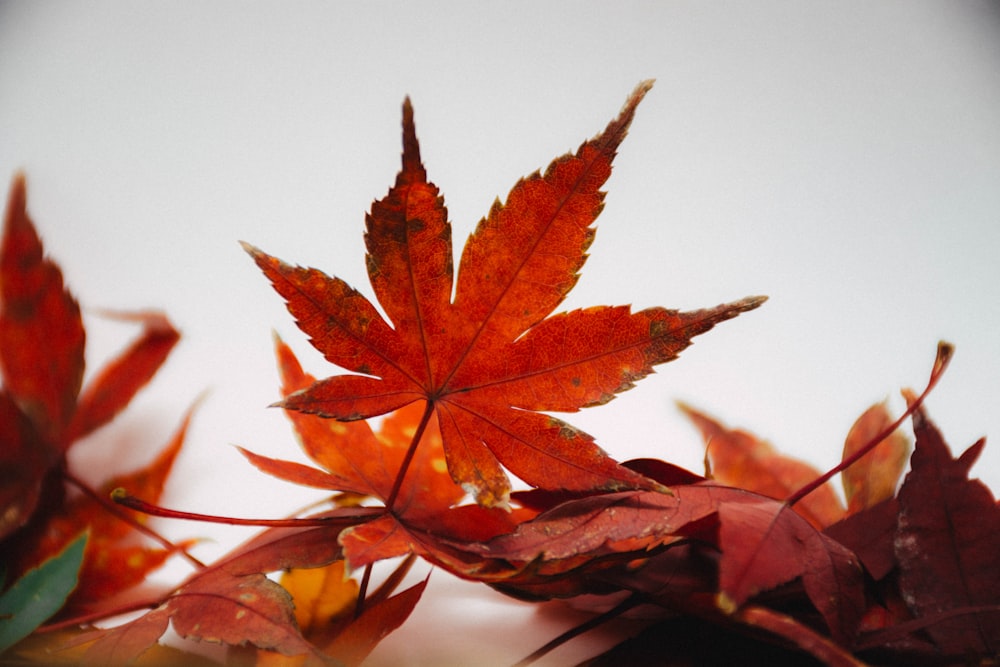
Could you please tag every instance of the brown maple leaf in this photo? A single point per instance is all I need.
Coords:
(487, 361)
(44, 410)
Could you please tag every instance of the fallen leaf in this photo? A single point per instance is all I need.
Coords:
(742, 460)
(231, 601)
(488, 361)
(357, 640)
(357, 460)
(948, 546)
(41, 356)
(45, 410)
(117, 557)
(765, 544)
(321, 594)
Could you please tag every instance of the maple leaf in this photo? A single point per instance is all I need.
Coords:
(231, 602)
(742, 460)
(45, 409)
(948, 546)
(765, 544)
(47, 648)
(325, 600)
(488, 361)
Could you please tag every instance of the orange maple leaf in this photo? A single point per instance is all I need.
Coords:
(488, 361)
(356, 460)
(742, 460)
(874, 477)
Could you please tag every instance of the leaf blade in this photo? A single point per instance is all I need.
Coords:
(41, 330)
(39, 593)
(948, 544)
(121, 378)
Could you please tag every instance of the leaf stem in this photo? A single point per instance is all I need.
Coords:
(87, 619)
(349, 516)
(359, 605)
(117, 512)
(944, 354)
(405, 465)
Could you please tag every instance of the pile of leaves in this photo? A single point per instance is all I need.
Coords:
(753, 561)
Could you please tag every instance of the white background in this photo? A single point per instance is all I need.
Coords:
(843, 159)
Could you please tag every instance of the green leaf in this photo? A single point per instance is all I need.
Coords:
(39, 594)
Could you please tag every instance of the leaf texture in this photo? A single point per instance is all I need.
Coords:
(488, 361)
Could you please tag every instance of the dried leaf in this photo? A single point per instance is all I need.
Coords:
(321, 595)
(358, 639)
(41, 331)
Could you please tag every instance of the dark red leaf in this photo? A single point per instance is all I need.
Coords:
(24, 462)
(870, 534)
(765, 544)
(948, 546)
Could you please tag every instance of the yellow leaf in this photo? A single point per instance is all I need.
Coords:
(321, 595)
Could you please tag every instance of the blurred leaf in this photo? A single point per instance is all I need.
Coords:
(873, 478)
(39, 594)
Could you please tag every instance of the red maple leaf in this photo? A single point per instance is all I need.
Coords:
(487, 361)
(230, 602)
(45, 409)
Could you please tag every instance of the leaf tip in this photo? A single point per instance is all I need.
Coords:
(250, 249)
(412, 166)
(18, 192)
(945, 351)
